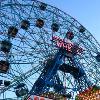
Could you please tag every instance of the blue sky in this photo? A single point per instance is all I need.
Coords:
(85, 11)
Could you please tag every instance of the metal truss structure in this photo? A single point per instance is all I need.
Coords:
(43, 49)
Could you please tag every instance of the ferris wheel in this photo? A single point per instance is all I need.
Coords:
(45, 51)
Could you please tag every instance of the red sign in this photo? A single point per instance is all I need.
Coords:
(69, 46)
(34, 97)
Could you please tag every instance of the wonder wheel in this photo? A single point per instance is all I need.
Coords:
(45, 51)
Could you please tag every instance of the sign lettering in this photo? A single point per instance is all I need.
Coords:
(70, 47)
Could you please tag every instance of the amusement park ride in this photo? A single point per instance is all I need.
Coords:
(45, 54)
